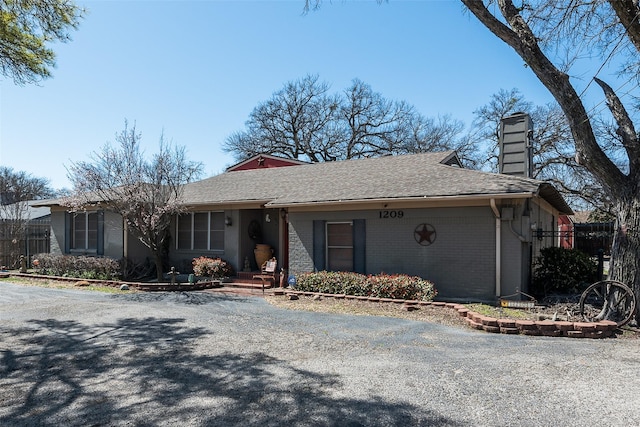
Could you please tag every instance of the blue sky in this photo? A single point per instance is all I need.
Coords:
(196, 69)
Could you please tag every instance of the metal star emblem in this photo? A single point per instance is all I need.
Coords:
(425, 234)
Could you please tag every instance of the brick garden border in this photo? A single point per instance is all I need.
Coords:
(549, 328)
(118, 283)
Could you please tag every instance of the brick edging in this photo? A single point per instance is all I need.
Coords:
(112, 283)
(134, 285)
(601, 329)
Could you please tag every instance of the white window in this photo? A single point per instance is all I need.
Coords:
(339, 246)
(200, 231)
(84, 231)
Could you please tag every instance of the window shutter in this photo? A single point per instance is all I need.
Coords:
(359, 245)
(319, 245)
(100, 240)
(67, 232)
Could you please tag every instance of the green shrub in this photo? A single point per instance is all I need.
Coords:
(211, 267)
(397, 286)
(562, 271)
(401, 286)
(82, 267)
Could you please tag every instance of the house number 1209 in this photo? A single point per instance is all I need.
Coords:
(391, 214)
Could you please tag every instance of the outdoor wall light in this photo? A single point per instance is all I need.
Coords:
(227, 221)
(267, 218)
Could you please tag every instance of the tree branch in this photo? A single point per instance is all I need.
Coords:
(521, 38)
(628, 12)
(626, 129)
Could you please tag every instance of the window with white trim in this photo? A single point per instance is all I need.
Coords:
(84, 231)
(339, 246)
(200, 231)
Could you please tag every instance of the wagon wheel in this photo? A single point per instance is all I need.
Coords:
(608, 300)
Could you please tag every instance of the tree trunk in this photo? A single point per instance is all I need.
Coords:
(625, 262)
(515, 31)
(159, 266)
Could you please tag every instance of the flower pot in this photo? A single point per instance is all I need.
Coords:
(262, 253)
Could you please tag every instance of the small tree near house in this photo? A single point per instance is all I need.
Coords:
(146, 192)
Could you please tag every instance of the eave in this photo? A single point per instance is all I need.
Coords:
(458, 200)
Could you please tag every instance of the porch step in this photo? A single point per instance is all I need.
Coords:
(234, 290)
(246, 278)
(243, 288)
(240, 281)
(244, 284)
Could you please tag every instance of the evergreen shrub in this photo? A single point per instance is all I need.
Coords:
(216, 268)
(396, 286)
(82, 267)
(562, 271)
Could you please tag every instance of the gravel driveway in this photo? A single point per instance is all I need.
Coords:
(81, 358)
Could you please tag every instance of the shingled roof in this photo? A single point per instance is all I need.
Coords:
(407, 177)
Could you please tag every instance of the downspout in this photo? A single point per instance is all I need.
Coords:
(125, 240)
(496, 213)
(284, 237)
(518, 235)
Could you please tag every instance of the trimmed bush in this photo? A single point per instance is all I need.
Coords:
(401, 286)
(397, 286)
(82, 267)
(216, 268)
(562, 271)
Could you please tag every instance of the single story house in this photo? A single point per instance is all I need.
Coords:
(474, 234)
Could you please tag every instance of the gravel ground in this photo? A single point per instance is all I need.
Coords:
(81, 358)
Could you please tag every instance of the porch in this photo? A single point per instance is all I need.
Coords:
(247, 280)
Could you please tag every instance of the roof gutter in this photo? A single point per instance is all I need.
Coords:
(474, 197)
(232, 203)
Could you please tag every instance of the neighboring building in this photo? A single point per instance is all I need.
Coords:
(263, 161)
(565, 231)
(474, 234)
(579, 232)
(24, 230)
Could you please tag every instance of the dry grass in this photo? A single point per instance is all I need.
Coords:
(433, 314)
(64, 284)
(445, 316)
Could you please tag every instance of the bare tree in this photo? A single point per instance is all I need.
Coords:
(19, 186)
(147, 193)
(371, 124)
(427, 134)
(540, 31)
(303, 121)
(291, 124)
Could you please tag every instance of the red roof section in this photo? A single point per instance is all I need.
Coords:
(264, 161)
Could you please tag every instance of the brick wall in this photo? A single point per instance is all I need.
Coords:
(300, 244)
(461, 260)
